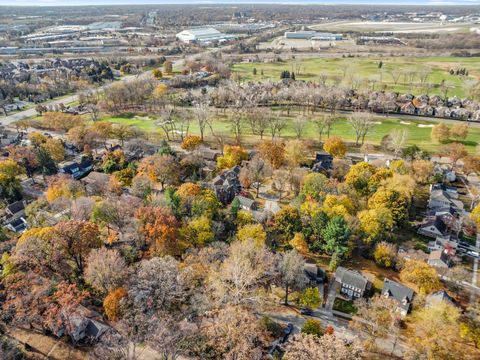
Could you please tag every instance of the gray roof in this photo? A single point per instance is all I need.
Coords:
(351, 277)
(441, 295)
(399, 292)
(244, 201)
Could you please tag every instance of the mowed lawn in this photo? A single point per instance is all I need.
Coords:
(418, 130)
(367, 68)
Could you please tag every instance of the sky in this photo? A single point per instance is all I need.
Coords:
(203, 2)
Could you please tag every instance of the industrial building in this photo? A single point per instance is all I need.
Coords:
(312, 35)
(203, 36)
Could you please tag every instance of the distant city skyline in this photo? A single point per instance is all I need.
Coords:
(233, 2)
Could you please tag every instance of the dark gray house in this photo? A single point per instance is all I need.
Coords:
(352, 283)
(399, 292)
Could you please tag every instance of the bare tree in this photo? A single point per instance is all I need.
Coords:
(398, 139)
(299, 124)
(280, 182)
(324, 124)
(291, 271)
(276, 124)
(361, 123)
(201, 114)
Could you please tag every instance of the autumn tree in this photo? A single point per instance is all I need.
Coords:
(105, 269)
(232, 155)
(280, 180)
(440, 133)
(335, 147)
(435, 331)
(312, 327)
(396, 202)
(247, 338)
(296, 153)
(291, 272)
(161, 168)
(122, 132)
(241, 275)
(376, 318)
(459, 131)
(111, 303)
(454, 151)
(191, 142)
(315, 186)
(55, 149)
(376, 224)
(253, 232)
(254, 173)
(199, 231)
(385, 254)
(273, 152)
(422, 170)
(288, 221)
(358, 177)
(471, 164)
(10, 188)
(311, 298)
(299, 243)
(422, 275)
(159, 229)
(307, 346)
(76, 240)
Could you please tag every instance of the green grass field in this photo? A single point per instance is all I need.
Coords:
(418, 130)
(367, 68)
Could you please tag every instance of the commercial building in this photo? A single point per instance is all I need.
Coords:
(204, 35)
(312, 35)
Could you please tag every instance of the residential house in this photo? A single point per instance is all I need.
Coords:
(402, 294)
(408, 108)
(352, 283)
(246, 203)
(76, 170)
(323, 163)
(95, 183)
(272, 206)
(17, 225)
(227, 185)
(15, 210)
(438, 296)
(444, 199)
(443, 241)
(433, 228)
(441, 258)
(314, 274)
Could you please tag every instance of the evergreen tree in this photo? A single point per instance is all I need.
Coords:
(45, 163)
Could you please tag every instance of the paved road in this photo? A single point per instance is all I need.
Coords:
(8, 120)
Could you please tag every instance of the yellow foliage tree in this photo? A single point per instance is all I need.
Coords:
(232, 155)
(375, 223)
(422, 275)
(298, 242)
(335, 147)
(191, 142)
(253, 231)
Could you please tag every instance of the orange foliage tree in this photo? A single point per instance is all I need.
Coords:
(159, 229)
(111, 303)
(273, 152)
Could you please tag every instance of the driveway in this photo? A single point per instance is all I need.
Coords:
(332, 294)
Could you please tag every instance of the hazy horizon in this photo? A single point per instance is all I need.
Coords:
(234, 2)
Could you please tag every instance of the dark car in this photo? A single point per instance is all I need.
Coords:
(306, 311)
(286, 333)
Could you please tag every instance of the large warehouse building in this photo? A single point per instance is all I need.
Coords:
(203, 35)
(312, 35)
